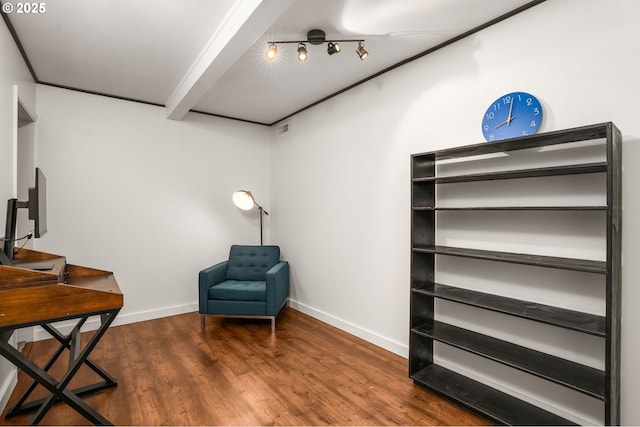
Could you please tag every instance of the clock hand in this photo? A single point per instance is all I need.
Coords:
(509, 117)
(506, 122)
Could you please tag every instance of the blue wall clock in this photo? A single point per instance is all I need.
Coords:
(512, 115)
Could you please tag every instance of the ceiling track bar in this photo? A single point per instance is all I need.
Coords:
(324, 41)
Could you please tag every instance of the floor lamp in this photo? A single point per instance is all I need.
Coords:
(245, 201)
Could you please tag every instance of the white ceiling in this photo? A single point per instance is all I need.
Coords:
(208, 55)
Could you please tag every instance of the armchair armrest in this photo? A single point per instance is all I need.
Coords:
(277, 287)
(208, 277)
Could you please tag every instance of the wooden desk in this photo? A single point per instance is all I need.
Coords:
(40, 298)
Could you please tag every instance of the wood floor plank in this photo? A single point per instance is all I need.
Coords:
(237, 373)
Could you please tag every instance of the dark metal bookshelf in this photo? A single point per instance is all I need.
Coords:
(570, 374)
(516, 258)
(512, 208)
(496, 404)
(587, 323)
(519, 173)
(500, 407)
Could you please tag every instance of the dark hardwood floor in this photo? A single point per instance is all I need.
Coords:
(238, 373)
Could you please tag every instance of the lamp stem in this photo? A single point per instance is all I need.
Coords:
(260, 226)
(261, 211)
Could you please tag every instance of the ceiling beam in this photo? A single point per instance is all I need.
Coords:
(245, 23)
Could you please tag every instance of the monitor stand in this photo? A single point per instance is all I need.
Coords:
(4, 259)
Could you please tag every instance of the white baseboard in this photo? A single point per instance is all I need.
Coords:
(37, 333)
(6, 388)
(360, 332)
(9, 379)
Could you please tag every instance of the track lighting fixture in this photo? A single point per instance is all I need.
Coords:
(361, 52)
(333, 48)
(272, 51)
(315, 37)
(302, 52)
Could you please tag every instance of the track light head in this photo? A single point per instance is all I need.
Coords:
(361, 52)
(272, 51)
(333, 47)
(302, 52)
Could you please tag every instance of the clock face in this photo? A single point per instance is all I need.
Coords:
(511, 115)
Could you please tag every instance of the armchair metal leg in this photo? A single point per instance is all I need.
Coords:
(248, 316)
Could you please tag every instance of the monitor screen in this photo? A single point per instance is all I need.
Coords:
(38, 204)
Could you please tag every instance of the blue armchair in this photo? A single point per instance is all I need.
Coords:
(253, 282)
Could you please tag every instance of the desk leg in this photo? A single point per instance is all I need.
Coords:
(20, 407)
(66, 343)
(58, 389)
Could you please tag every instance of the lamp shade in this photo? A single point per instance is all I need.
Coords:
(244, 200)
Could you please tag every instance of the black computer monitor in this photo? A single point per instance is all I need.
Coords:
(37, 205)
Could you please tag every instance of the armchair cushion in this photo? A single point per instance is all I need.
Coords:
(239, 290)
(251, 262)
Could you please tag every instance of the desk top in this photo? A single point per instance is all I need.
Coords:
(30, 297)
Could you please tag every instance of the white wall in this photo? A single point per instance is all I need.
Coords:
(341, 174)
(15, 81)
(148, 198)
